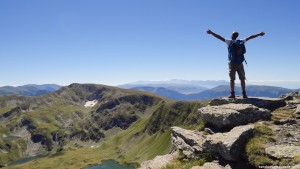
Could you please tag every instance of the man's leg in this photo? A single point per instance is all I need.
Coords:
(232, 94)
(232, 70)
(232, 85)
(243, 85)
(242, 77)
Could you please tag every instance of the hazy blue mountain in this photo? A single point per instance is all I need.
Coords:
(48, 87)
(252, 91)
(29, 90)
(171, 94)
(219, 91)
(199, 84)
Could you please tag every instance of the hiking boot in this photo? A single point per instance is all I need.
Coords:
(244, 95)
(232, 95)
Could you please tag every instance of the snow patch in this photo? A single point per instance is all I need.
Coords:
(91, 103)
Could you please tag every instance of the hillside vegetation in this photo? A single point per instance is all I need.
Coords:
(129, 126)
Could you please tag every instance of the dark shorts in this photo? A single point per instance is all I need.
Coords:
(239, 68)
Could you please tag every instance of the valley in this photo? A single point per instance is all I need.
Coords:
(125, 125)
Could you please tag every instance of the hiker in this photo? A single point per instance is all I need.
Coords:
(236, 51)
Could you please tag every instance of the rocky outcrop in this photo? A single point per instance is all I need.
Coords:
(234, 116)
(229, 145)
(190, 142)
(283, 151)
(266, 103)
(297, 111)
(211, 165)
(231, 115)
(158, 162)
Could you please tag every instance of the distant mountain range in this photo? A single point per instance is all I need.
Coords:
(29, 90)
(219, 91)
(202, 90)
(180, 86)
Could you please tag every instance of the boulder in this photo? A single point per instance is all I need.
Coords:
(297, 111)
(283, 151)
(285, 121)
(290, 96)
(261, 102)
(229, 145)
(231, 115)
(188, 141)
(158, 162)
(296, 166)
(211, 165)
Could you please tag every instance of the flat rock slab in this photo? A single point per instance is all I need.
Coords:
(229, 145)
(231, 115)
(261, 102)
(283, 151)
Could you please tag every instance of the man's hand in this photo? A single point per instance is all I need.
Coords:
(256, 35)
(215, 35)
(261, 33)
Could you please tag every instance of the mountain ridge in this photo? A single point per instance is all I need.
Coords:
(29, 89)
(55, 121)
(219, 91)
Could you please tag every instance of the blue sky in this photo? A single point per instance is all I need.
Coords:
(118, 41)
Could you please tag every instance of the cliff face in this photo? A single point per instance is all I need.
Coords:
(243, 132)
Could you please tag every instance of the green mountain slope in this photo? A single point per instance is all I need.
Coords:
(126, 125)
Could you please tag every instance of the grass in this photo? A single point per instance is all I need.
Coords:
(280, 114)
(4, 110)
(183, 163)
(125, 147)
(146, 138)
(255, 148)
(10, 150)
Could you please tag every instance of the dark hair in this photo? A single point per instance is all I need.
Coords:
(234, 35)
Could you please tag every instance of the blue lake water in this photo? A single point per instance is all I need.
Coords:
(26, 159)
(11, 138)
(110, 164)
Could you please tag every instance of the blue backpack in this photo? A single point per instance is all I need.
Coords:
(236, 51)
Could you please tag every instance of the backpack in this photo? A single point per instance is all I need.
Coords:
(236, 51)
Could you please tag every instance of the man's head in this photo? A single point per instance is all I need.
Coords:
(234, 35)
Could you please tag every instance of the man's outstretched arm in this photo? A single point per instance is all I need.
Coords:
(215, 35)
(254, 36)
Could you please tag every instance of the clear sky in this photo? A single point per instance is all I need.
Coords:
(118, 41)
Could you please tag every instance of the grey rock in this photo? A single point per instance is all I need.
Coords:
(297, 112)
(283, 151)
(285, 121)
(231, 115)
(208, 131)
(296, 166)
(158, 162)
(188, 141)
(290, 96)
(211, 165)
(261, 102)
(229, 145)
